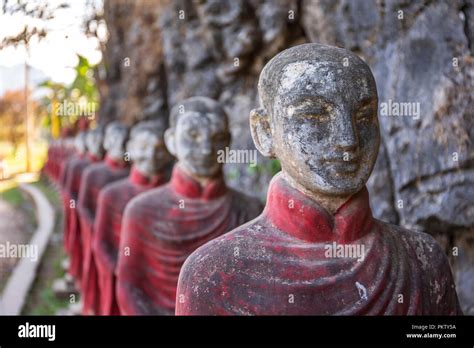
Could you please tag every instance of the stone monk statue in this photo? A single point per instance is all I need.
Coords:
(316, 249)
(95, 152)
(151, 160)
(95, 177)
(163, 226)
(79, 155)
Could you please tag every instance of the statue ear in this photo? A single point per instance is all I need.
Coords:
(261, 132)
(170, 141)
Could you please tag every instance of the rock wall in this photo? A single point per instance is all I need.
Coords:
(421, 53)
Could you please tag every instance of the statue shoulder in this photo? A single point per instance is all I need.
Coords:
(208, 273)
(428, 252)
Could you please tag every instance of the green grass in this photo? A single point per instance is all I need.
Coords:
(46, 301)
(48, 191)
(14, 196)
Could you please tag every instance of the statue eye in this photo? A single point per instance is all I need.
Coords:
(322, 116)
(364, 113)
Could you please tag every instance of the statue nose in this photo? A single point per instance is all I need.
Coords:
(206, 147)
(345, 135)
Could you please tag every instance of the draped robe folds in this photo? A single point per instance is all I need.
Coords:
(162, 227)
(73, 233)
(110, 207)
(64, 169)
(66, 172)
(279, 264)
(95, 177)
(53, 154)
(57, 154)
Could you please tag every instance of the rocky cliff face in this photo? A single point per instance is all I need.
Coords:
(421, 53)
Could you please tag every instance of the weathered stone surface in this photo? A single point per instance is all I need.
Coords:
(183, 48)
(132, 69)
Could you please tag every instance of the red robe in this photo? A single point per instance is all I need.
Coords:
(64, 168)
(279, 264)
(110, 206)
(162, 227)
(51, 163)
(65, 194)
(72, 235)
(57, 155)
(95, 177)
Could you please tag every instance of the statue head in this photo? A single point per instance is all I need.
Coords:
(116, 135)
(198, 130)
(147, 147)
(318, 116)
(94, 142)
(80, 142)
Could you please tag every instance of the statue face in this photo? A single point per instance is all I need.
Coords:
(148, 152)
(325, 126)
(94, 141)
(114, 142)
(196, 141)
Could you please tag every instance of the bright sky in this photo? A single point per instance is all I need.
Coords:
(54, 55)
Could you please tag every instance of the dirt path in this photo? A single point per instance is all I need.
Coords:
(15, 228)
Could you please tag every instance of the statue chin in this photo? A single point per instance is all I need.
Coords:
(116, 154)
(327, 186)
(201, 171)
(97, 153)
(146, 168)
(340, 187)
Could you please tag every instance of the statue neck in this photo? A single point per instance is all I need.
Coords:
(299, 215)
(187, 185)
(330, 203)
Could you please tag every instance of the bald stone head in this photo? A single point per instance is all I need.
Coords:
(198, 130)
(116, 136)
(95, 141)
(318, 116)
(147, 147)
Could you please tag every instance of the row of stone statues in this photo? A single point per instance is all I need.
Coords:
(143, 243)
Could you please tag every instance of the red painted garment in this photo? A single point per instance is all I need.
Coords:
(65, 173)
(54, 154)
(162, 227)
(56, 159)
(47, 165)
(110, 207)
(74, 243)
(64, 168)
(285, 262)
(95, 177)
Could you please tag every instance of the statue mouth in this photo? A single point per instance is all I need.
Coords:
(343, 167)
(204, 161)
